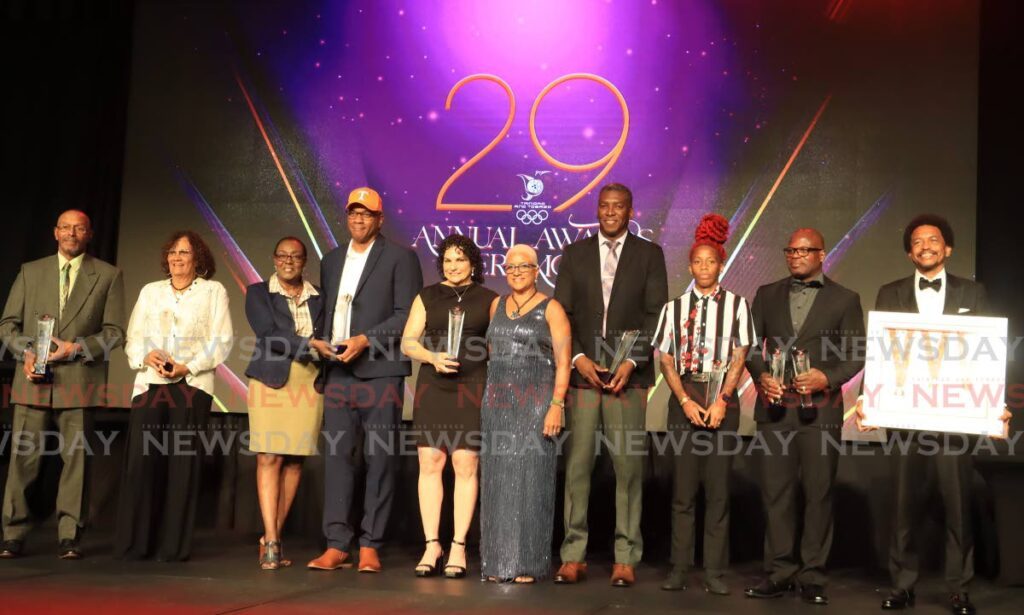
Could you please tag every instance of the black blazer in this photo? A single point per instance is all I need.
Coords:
(832, 336)
(638, 294)
(277, 345)
(390, 281)
(961, 294)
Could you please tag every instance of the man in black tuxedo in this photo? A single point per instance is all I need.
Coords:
(608, 283)
(928, 242)
(810, 312)
(368, 289)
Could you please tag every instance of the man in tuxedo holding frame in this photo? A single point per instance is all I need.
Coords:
(928, 242)
(608, 283)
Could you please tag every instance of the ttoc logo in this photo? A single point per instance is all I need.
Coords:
(528, 211)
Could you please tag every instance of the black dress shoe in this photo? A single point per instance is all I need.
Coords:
(898, 599)
(11, 549)
(675, 581)
(813, 594)
(767, 589)
(961, 604)
(68, 549)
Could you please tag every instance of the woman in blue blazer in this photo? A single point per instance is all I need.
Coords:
(285, 407)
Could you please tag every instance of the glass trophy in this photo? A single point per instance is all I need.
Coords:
(777, 367)
(624, 350)
(456, 317)
(802, 365)
(341, 329)
(716, 378)
(44, 335)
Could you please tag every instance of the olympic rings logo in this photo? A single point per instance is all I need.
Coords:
(532, 216)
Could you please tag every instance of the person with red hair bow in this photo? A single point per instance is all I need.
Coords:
(703, 336)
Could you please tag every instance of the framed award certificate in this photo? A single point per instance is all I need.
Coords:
(935, 373)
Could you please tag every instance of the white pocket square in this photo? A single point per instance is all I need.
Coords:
(963, 310)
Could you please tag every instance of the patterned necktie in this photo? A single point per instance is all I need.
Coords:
(65, 285)
(611, 262)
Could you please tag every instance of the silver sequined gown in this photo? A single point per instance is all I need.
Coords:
(517, 471)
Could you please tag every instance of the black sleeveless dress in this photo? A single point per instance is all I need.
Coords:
(446, 410)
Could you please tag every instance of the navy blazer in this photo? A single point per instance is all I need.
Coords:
(832, 335)
(277, 345)
(391, 279)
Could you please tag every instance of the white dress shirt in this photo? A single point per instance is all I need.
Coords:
(193, 327)
(929, 301)
(355, 262)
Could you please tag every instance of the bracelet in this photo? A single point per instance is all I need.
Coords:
(726, 397)
(558, 402)
(683, 400)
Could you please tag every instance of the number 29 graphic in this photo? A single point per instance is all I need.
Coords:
(607, 161)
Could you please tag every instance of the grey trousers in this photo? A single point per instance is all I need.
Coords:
(26, 454)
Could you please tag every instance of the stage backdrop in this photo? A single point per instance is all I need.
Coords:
(499, 119)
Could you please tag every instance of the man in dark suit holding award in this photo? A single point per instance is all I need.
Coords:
(85, 298)
(807, 312)
(368, 289)
(928, 242)
(609, 283)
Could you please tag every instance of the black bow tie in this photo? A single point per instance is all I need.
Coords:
(800, 284)
(935, 284)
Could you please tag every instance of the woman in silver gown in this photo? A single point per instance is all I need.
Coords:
(521, 418)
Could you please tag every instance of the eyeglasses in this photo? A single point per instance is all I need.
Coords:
(525, 268)
(361, 213)
(801, 252)
(290, 258)
(73, 228)
(181, 253)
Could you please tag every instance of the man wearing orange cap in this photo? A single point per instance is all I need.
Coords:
(368, 289)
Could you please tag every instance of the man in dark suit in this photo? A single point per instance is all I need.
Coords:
(810, 312)
(86, 297)
(368, 289)
(928, 242)
(608, 283)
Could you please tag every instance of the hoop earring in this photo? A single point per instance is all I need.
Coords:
(204, 273)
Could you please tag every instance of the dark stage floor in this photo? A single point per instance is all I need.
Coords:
(224, 578)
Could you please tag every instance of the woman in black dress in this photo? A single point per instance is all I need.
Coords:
(449, 385)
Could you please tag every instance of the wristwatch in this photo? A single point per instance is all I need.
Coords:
(726, 397)
(683, 400)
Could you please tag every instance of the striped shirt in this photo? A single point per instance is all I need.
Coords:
(699, 330)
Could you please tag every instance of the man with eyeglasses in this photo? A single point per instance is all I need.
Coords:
(368, 286)
(608, 283)
(85, 297)
(805, 311)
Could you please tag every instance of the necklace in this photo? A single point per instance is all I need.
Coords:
(519, 306)
(458, 295)
(183, 288)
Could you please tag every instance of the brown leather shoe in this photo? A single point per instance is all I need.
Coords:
(368, 560)
(622, 575)
(571, 572)
(332, 559)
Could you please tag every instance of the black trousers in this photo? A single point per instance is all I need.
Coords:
(704, 457)
(156, 507)
(948, 456)
(804, 455)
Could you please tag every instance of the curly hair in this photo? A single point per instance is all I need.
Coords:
(712, 231)
(469, 249)
(203, 258)
(928, 220)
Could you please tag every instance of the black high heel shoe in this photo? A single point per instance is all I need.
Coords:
(451, 571)
(429, 570)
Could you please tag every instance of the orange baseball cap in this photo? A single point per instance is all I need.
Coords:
(367, 197)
